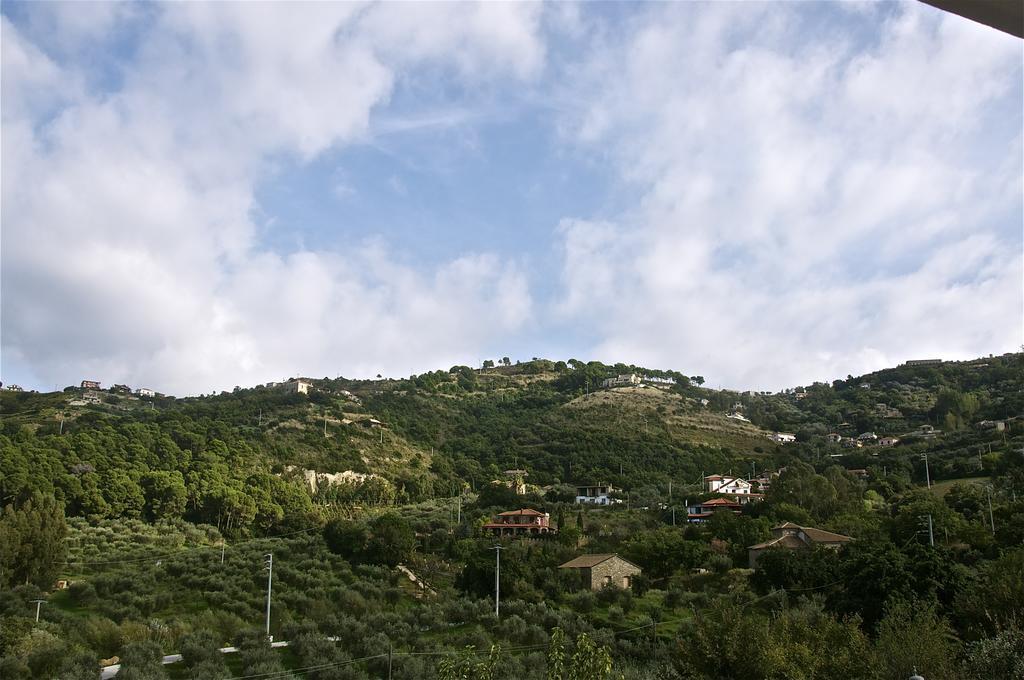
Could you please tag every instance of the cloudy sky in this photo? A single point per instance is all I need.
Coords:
(197, 196)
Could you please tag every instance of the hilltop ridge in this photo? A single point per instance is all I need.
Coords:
(433, 434)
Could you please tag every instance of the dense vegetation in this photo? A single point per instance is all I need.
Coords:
(159, 513)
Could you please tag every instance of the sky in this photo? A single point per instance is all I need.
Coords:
(197, 196)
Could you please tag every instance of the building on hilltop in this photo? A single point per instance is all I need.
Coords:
(299, 386)
(596, 494)
(604, 570)
(145, 392)
(90, 384)
(622, 380)
(523, 522)
(790, 536)
(923, 362)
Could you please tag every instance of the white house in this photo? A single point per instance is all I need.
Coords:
(623, 380)
(596, 494)
(145, 392)
(738, 416)
(740, 490)
(782, 437)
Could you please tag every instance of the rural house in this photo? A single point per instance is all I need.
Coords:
(701, 512)
(624, 380)
(299, 386)
(90, 384)
(791, 536)
(739, 489)
(597, 494)
(524, 522)
(601, 571)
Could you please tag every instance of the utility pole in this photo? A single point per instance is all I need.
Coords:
(261, 418)
(927, 474)
(389, 660)
(673, 515)
(325, 424)
(38, 603)
(497, 579)
(61, 423)
(991, 517)
(222, 551)
(931, 532)
(269, 566)
(460, 509)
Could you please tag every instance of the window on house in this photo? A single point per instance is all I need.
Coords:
(607, 580)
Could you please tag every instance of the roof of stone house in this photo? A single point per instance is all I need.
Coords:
(523, 511)
(814, 536)
(787, 541)
(588, 561)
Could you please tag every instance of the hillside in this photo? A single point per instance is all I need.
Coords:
(447, 430)
(159, 514)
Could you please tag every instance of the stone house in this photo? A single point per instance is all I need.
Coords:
(790, 536)
(601, 571)
(299, 386)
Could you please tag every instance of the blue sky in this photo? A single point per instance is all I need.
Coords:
(197, 196)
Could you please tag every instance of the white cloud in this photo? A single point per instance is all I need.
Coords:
(811, 206)
(130, 247)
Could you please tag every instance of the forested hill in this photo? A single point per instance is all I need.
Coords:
(237, 459)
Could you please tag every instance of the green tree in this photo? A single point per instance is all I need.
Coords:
(32, 542)
(587, 660)
(141, 661)
(913, 635)
(468, 666)
(391, 540)
(165, 494)
(1001, 656)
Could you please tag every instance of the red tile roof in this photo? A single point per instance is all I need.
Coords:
(525, 511)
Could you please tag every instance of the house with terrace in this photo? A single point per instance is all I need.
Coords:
(522, 522)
